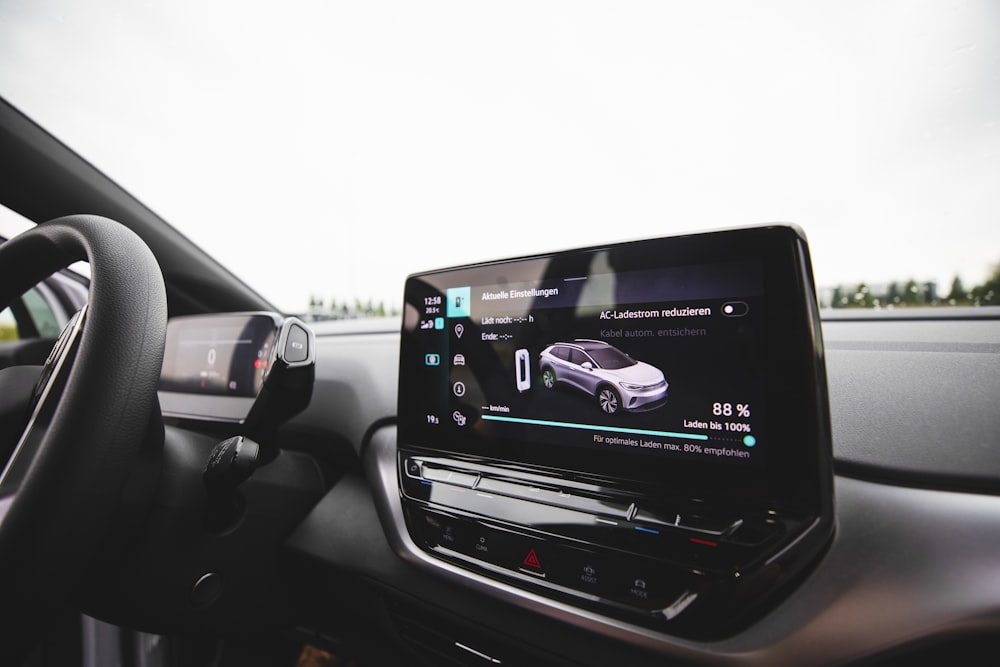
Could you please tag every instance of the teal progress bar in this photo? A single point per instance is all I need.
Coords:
(592, 427)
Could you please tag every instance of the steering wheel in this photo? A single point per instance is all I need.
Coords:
(92, 407)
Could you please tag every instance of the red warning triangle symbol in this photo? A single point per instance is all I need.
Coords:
(531, 560)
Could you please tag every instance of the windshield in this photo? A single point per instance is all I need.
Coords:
(323, 151)
(611, 358)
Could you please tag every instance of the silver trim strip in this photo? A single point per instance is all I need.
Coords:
(479, 654)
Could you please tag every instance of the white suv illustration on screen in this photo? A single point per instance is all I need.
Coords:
(616, 380)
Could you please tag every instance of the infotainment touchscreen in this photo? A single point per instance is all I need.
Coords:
(674, 355)
(641, 349)
(661, 362)
(639, 428)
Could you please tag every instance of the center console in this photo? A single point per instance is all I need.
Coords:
(639, 430)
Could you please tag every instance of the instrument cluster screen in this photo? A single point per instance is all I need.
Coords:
(219, 355)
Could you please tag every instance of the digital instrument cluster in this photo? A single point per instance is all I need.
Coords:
(214, 365)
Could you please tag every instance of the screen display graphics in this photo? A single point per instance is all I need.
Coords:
(664, 350)
(220, 355)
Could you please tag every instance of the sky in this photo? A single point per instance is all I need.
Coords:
(328, 149)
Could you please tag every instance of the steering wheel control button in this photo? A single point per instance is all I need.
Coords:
(207, 590)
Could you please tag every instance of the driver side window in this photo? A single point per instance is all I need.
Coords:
(42, 314)
(30, 316)
(8, 325)
(36, 314)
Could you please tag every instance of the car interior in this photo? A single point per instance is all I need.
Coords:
(193, 478)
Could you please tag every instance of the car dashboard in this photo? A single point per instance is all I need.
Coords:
(889, 521)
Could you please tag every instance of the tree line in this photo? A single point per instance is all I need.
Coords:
(909, 293)
(912, 293)
(346, 310)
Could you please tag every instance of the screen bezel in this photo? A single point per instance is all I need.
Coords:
(797, 477)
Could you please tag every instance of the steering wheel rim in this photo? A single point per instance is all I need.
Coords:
(60, 489)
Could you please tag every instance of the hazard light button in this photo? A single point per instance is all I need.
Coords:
(532, 557)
